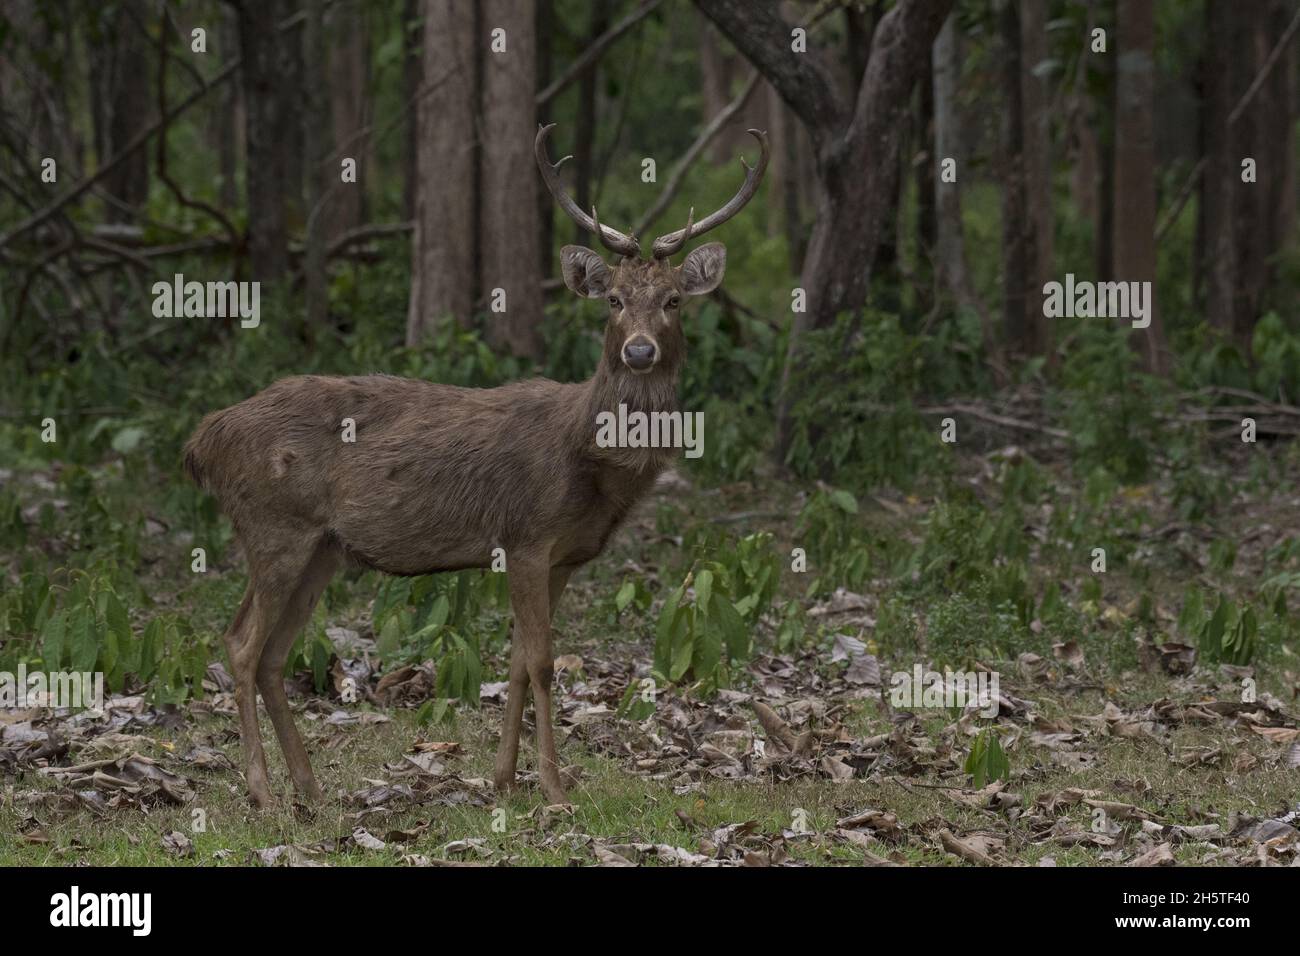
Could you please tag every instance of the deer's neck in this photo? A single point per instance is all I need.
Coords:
(619, 392)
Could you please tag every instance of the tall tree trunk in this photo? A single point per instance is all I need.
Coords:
(1280, 147)
(924, 168)
(508, 180)
(716, 69)
(1222, 170)
(443, 279)
(412, 34)
(1037, 128)
(229, 122)
(950, 243)
(127, 107)
(348, 80)
(584, 143)
(1017, 256)
(321, 201)
(545, 68)
(1135, 185)
(266, 118)
(856, 147)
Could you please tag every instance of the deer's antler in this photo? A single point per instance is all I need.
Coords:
(612, 239)
(668, 245)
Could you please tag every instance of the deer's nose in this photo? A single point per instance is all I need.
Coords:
(639, 355)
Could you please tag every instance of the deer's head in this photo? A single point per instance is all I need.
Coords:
(644, 331)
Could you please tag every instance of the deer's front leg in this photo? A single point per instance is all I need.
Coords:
(530, 598)
(512, 719)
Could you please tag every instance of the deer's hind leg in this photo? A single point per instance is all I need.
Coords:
(277, 559)
(324, 562)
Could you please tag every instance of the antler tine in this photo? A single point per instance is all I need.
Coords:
(612, 239)
(671, 243)
(668, 246)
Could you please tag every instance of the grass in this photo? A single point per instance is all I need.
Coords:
(638, 796)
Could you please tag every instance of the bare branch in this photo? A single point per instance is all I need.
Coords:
(683, 166)
(758, 31)
(595, 51)
(1198, 170)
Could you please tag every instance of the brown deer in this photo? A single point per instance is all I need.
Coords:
(440, 476)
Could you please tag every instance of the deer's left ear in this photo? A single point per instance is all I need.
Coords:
(702, 270)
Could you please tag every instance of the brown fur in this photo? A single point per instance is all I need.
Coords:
(437, 478)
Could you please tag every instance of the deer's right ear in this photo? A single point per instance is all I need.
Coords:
(584, 271)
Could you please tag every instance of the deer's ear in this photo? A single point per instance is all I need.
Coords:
(702, 270)
(584, 271)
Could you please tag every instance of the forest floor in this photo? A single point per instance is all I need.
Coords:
(1120, 748)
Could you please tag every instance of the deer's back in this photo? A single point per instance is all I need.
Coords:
(436, 478)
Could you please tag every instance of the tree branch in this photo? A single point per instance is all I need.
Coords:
(757, 31)
(678, 174)
(595, 51)
(1194, 177)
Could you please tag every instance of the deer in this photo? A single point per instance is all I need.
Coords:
(439, 476)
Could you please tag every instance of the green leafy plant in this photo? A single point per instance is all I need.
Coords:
(987, 761)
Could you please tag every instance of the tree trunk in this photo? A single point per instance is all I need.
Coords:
(127, 107)
(1135, 185)
(412, 33)
(584, 142)
(1037, 129)
(1017, 257)
(321, 200)
(924, 169)
(545, 68)
(348, 80)
(508, 227)
(856, 146)
(443, 280)
(266, 118)
(950, 243)
(230, 119)
(716, 69)
(1222, 169)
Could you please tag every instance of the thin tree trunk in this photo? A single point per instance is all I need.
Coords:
(1036, 128)
(321, 201)
(348, 80)
(1017, 257)
(715, 87)
(412, 33)
(265, 119)
(442, 260)
(1222, 170)
(584, 142)
(508, 200)
(126, 107)
(230, 118)
(545, 68)
(950, 243)
(1135, 185)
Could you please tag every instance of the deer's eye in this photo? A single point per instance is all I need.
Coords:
(674, 302)
(614, 302)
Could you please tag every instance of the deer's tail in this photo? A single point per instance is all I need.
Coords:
(199, 449)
